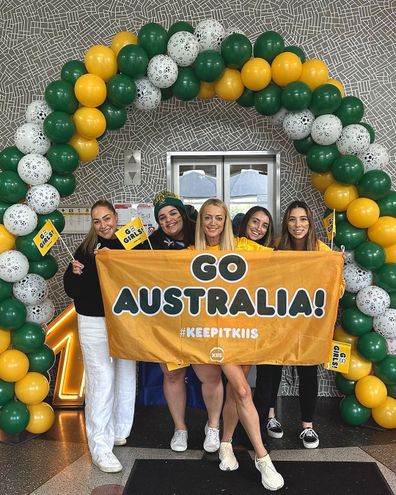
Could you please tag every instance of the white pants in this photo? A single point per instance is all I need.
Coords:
(110, 387)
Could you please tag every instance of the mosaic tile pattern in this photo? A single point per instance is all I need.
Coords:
(355, 39)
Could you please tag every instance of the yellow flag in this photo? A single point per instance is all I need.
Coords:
(339, 357)
(132, 234)
(46, 237)
(329, 223)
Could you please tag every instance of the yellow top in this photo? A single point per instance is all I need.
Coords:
(241, 244)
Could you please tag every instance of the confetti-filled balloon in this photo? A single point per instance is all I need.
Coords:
(298, 125)
(162, 71)
(43, 199)
(19, 219)
(14, 266)
(354, 140)
(279, 117)
(34, 169)
(183, 48)
(356, 278)
(385, 324)
(326, 129)
(41, 313)
(37, 111)
(209, 33)
(372, 300)
(31, 290)
(375, 157)
(148, 96)
(30, 138)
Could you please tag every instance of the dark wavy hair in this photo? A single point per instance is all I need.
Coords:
(268, 239)
(286, 240)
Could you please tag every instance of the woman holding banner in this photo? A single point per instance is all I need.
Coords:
(110, 383)
(214, 233)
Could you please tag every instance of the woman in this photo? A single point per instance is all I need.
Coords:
(176, 231)
(110, 383)
(214, 233)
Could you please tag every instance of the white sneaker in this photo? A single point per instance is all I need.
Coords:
(227, 457)
(270, 478)
(107, 462)
(179, 441)
(212, 439)
(120, 441)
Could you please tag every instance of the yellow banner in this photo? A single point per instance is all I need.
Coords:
(339, 357)
(222, 307)
(329, 223)
(132, 234)
(46, 237)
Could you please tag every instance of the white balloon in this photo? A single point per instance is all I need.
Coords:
(372, 300)
(43, 199)
(391, 346)
(37, 111)
(349, 257)
(354, 139)
(279, 117)
(41, 313)
(356, 278)
(31, 290)
(19, 219)
(14, 266)
(30, 138)
(326, 129)
(385, 324)
(148, 96)
(183, 48)
(298, 125)
(34, 169)
(209, 33)
(375, 157)
(162, 71)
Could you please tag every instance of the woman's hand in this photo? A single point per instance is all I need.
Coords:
(77, 267)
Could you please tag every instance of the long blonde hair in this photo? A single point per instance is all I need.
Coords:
(286, 240)
(227, 242)
(89, 243)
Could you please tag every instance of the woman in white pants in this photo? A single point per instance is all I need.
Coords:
(110, 383)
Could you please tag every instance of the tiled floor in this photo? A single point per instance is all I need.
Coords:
(59, 463)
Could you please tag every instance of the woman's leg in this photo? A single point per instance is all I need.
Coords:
(125, 395)
(230, 413)
(308, 392)
(212, 391)
(175, 395)
(266, 391)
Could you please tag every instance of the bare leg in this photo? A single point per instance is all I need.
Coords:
(212, 391)
(175, 394)
(230, 413)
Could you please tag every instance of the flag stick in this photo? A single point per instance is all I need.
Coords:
(67, 249)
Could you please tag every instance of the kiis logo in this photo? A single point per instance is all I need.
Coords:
(216, 354)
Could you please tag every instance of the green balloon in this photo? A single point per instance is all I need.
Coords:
(63, 158)
(12, 314)
(26, 246)
(347, 169)
(209, 66)
(65, 184)
(385, 277)
(6, 392)
(372, 346)
(9, 158)
(60, 96)
(340, 216)
(59, 127)
(246, 99)
(268, 45)
(132, 60)
(370, 255)
(153, 38)
(392, 300)
(236, 50)
(5, 290)
(348, 300)
(14, 417)
(186, 86)
(41, 360)
(3, 208)
(166, 94)
(350, 111)
(349, 236)
(180, 26)
(56, 218)
(30, 337)
(345, 386)
(296, 96)
(387, 205)
(386, 370)
(325, 99)
(320, 158)
(297, 51)
(72, 70)
(374, 184)
(304, 145)
(370, 129)
(115, 116)
(121, 90)
(268, 100)
(352, 412)
(12, 187)
(391, 390)
(46, 267)
(355, 322)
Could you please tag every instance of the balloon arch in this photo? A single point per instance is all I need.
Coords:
(90, 98)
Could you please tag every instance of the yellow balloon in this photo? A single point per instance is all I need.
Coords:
(385, 414)
(206, 90)
(338, 196)
(14, 365)
(87, 149)
(256, 74)
(314, 73)
(229, 86)
(90, 90)
(32, 389)
(370, 391)
(90, 122)
(390, 254)
(286, 68)
(7, 240)
(363, 212)
(100, 60)
(358, 367)
(122, 39)
(41, 418)
(342, 336)
(383, 232)
(322, 181)
(5, 339)
(337, 84)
